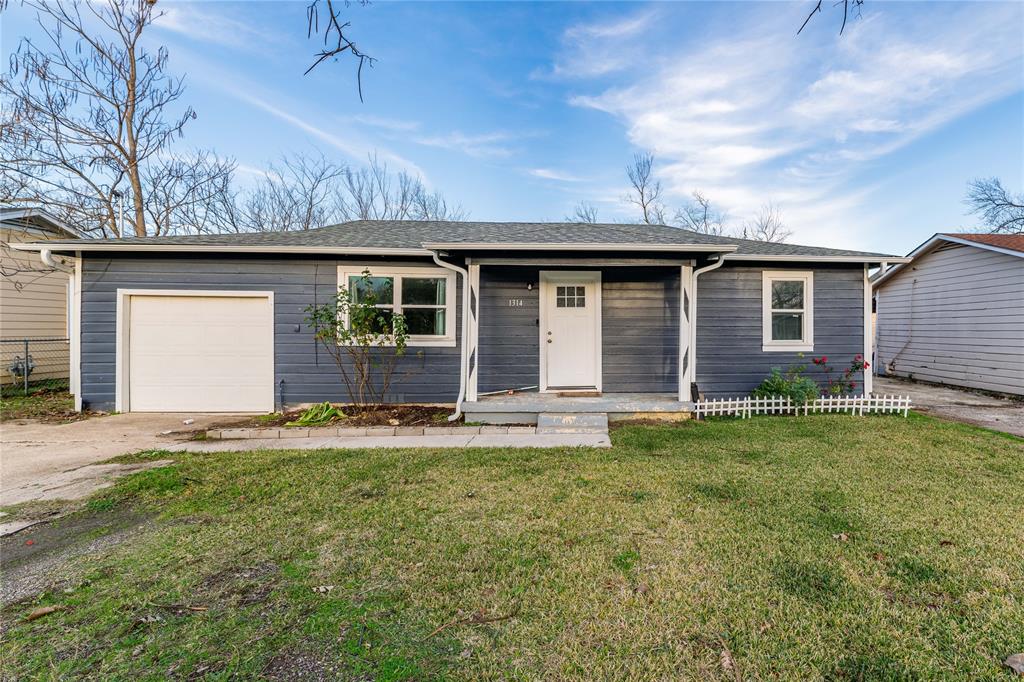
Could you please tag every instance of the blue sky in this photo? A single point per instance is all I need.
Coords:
(519, 110)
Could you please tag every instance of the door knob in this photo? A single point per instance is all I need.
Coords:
(549, 340)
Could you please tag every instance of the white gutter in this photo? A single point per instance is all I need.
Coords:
(131, 245)
(816, 259)
(464, 346)
(597, 246)
(693, 314)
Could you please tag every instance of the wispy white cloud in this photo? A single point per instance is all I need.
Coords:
(757, 116)
(197, 22)
(393, 125)
(552, 174)
(599, 49)
(356, 149)
(493, 144)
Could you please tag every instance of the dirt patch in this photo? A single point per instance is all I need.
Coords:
(389, 415)
(36, 558)
(303, 665)
(243, 586)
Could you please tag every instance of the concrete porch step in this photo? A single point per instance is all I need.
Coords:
(571, 422)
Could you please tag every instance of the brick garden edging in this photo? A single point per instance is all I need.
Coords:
(356, 432)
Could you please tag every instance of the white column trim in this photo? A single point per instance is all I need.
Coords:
(869, 332)
(685, 326)
(473, 335)
(75, 334)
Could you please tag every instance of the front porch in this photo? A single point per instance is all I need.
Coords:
(524, 407)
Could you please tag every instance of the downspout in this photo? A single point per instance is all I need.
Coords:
(464, 364)
(693, 314)
(46, 256)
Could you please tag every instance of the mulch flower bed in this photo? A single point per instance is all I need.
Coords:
(387, 415)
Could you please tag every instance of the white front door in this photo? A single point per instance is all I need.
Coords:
(570, 330)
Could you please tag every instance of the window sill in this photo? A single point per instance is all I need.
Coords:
(787, 348)
(417, 343)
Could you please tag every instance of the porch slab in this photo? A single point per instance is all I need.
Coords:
(523, 408)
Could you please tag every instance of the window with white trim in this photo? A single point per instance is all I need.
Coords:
(424, 296)
(787, 310)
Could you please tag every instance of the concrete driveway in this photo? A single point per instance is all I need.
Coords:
(999, 414)
(59, 461)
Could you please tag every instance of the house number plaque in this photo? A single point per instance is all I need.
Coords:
(515, 303)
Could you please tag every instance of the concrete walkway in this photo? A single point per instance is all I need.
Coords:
(999, 414)
(588, 440)
(59, 461)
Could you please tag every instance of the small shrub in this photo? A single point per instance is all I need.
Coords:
(318, 415)
(792, 384)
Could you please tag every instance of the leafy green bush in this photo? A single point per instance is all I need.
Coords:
(791, 384)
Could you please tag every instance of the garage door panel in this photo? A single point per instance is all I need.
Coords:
(200, 353)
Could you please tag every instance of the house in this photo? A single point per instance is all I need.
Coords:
(644, 314)
(34, 300)
(954, 313)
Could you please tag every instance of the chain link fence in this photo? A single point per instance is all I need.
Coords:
(29, 365)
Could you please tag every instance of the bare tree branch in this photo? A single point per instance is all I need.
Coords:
(767, 226)
(583, 212)
(645, 190)
(845, 4)
(1001, 211)
(700, 215)
(87, 114)
(335, 39)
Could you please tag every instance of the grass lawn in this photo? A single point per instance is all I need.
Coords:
(773, 548)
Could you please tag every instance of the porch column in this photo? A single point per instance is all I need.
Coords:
(685, 331)
(473, 333)
(869, 333)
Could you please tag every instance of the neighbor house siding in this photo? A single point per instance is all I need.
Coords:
(730, 360)
(309, 374)
(640, 328)
(955, 316)
(33, 305)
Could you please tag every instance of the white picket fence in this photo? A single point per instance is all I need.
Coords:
(850, 404)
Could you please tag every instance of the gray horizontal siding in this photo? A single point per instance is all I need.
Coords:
(730, 361)
(955, 316)
(309, 374)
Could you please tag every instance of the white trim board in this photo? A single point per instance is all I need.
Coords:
(122, 399)
(547, 278)
(432, 271)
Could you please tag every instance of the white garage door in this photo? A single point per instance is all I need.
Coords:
(200, 353)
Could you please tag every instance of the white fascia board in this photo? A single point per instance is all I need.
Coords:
(200, 248)
(596, 246)
(816, 259)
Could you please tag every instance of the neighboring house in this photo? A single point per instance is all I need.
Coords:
(954, 314)
(216, 323)
(34, 298)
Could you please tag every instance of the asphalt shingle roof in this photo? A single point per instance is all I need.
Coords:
(413, 234)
